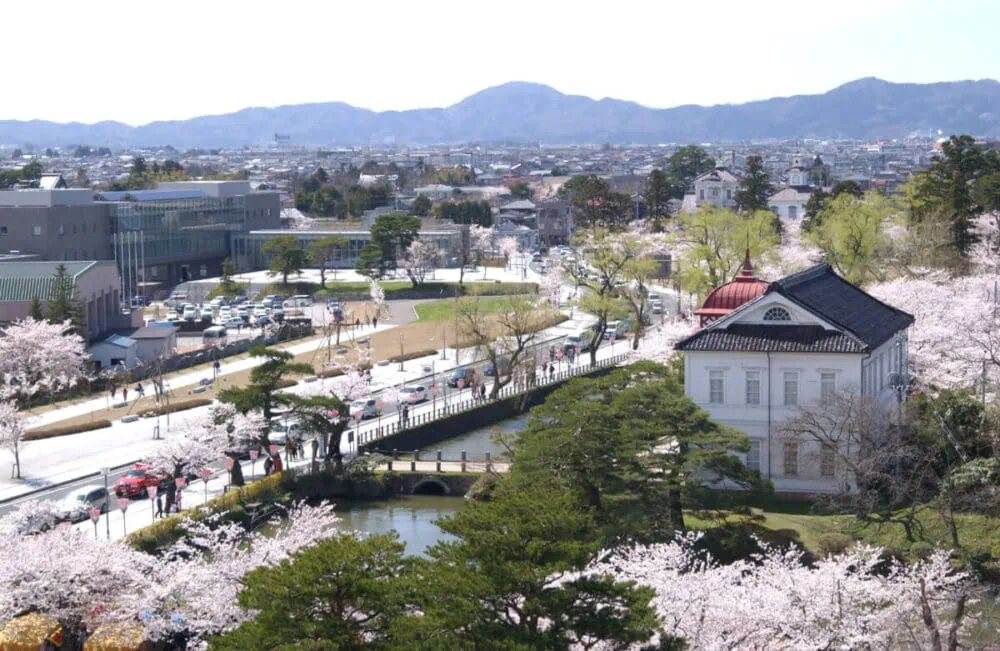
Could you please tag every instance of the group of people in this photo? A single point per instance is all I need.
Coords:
(139, 391)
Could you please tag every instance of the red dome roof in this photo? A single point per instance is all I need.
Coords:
(725, 298)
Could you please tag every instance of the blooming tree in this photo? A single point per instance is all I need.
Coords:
(658, 344)
(793, 255)
(30, 517)
(377, 294)
(773, 601)
(418, 259)
(12, 433)
(550, 285)
(37, 355)
(508, 247)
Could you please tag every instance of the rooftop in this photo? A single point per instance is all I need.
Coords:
(23, 281)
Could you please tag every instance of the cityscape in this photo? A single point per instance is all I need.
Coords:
(591, 361)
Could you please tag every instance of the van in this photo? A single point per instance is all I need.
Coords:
(176, 300)
(299, 300)
(214, 333)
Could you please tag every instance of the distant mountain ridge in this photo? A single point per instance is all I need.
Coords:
(529, 112)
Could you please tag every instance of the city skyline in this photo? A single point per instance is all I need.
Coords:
(208, 59)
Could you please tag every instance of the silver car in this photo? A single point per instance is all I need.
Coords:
(76, 506)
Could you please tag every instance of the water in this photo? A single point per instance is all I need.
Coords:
(413, 516)
(477, 442)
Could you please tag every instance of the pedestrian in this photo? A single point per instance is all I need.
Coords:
(141, 392)
(482, 392)
(552, 372)
(368, 320)
(180, 493)
(545, 368)
(277, 464)
(375, 322)
(268, 465)
(315, 448)
(406, 415)
(114, 390)
(290, 449)
(124, 394)
(357, 322)
(159, 506)
(301, 453)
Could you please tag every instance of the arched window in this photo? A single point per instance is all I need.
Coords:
(777, 314)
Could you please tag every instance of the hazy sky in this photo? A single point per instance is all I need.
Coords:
(143, 61)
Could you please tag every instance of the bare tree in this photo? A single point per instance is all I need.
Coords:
(502, 337)
(884, 472)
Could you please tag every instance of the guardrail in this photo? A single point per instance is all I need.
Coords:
(457, 407)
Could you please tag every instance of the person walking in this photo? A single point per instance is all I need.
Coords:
(268, 465)
(301, 452)
(552, 372)
(315, 449)
(114, 390)
(375, 322)
(159, 506)
(406, 415)
(125, 394)
(482, 392)
(140, 391)
(276, 468)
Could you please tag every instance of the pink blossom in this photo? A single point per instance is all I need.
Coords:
(36, 355)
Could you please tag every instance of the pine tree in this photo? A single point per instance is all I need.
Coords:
(36, 309)
(63, 302)
(755, 189)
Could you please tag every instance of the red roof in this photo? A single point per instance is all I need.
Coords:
(725, 298)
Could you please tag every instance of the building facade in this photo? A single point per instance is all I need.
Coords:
(789, 203)
(555, 222)
(804, 339)
(716, 188)
(56, 224)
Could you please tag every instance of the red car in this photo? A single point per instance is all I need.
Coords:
(135, 482)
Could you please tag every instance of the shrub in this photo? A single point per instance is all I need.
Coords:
(921, 549)
(287, 382)
(175, 407)
(233, 289)
(331, 372)
(412, 355)
(52, 432)
(833, 543)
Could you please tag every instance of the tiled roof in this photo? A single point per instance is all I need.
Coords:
(823, 292)
(22, 281)
(768, 338)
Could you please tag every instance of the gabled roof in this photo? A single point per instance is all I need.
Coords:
(720, 174)
(22, 281)
(523, 204)
(154, 332)
(767, 338)
(820, 290)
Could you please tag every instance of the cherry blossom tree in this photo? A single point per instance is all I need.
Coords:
(30, 517)
(508, 247)
(12, 427)
(377, 294)
(658, 344)
(550, 286)
(418, 259)
(793, 254)
(38, 355)
(774, 601)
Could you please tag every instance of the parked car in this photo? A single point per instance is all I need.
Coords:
(190, 313)
(271, 300)
(261, 321)
(278, 314)
(283, 429)
(214, 333)
(581, 339)
(464, 374)
(207, 315)
(135, 482)
(76, 506)
(299, 300)
(176, 300)
(173, 316)
(233, 322)
(243, 314)
(413, 394)
(366, 408)
(225, 313)
(656, 307)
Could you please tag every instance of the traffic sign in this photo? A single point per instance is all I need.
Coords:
(378, 404)
(95, 513)
(461, 383)
(181, 482)
(123, 503)
(578, 350)
(273, 448)
(105, 472)
(559, 353)
(229, 463)
(151, 491)
(254, 454)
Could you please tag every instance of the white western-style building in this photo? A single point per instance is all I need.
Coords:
(767, 349)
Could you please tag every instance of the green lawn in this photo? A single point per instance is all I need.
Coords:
(394, 287)
(446, 309)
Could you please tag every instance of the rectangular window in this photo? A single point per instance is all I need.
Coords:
(37, 230)
(3, 230)
(793, 212)
(791, 458)
(62, 229)
(716, 387)
(753, 456)
(152, 271)
(827, 387)
(881, 377)
(827, 460)
(203, 271)
(753, 387)
(791, 388)
(715, 193)
(701, 195)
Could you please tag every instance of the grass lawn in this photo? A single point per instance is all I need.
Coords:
(447, 308)
(393, 287)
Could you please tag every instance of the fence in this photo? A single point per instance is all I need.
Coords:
(442, 410)
(434, 461)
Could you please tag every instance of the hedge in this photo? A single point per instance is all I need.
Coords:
(234, 289)
(167, 531)
(52, 432)
(175, 407)
(401, 289)
(412, 355)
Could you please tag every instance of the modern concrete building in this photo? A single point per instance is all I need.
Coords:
(97, 285)
(55, 224)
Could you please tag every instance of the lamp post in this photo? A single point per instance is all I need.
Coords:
(401, 339)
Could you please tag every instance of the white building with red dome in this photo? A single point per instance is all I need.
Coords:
(767, 349)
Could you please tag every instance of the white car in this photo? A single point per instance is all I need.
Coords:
(173, 316)
(364, 408)
(225, 313)
(233, 322)
(281, 430)
(76, 506)
(207, 314)
(190, 313)
(413, 394)
(243, 314)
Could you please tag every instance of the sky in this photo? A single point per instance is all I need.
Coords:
(137, 62)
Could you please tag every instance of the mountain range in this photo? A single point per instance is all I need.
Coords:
(528, 112)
